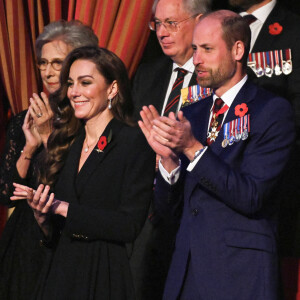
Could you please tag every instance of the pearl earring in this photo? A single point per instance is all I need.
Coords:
(109, 104)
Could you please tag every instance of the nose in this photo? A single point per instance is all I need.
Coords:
(49, 70)
(74, 91)
(197, 59)
(161, 31)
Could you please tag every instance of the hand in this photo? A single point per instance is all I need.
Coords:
(176, 134)
(149, 114)
(42, 115)
(33, 139)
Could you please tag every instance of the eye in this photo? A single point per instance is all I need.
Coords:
(43, 62)
(171, 23)
(85, 82)
(69, 83)
(157, 24)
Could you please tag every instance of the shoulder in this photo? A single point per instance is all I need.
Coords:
(151, 67)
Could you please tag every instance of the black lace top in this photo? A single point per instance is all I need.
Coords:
(15, 141)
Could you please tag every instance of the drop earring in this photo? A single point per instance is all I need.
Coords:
(109, 104)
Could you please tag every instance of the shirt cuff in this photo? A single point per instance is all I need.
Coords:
(172, 177)
(195, 161)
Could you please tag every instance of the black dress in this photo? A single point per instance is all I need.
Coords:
(21, 255)
(109, 199)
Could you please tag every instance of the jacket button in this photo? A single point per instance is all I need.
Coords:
(195, 212)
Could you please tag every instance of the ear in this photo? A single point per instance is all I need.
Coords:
(238, 50)
(197, 19)
(112, 90)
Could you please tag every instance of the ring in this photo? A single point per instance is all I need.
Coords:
(39, 115)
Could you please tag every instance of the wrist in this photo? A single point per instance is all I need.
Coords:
(190, 152)
(29, 150)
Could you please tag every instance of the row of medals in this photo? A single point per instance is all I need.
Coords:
(237, 133)
(271, 62)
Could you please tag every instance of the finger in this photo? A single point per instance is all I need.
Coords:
(181, 116)
(154, 111)
(146, 117)
(14, 198)
(37, 109)
(37, 194)
(20, 186)
(44, 196)
(47, 103)
(49, 203)
(40, 103)
(144, 129)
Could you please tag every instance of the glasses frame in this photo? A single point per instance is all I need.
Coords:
(168, 26)
(51, 63)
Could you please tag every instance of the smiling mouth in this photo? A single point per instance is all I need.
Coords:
(78, 103)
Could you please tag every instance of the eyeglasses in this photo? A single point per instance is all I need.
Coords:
(56, 64)
(170, 26)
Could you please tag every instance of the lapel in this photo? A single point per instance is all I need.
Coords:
(245, 95)
(193, 80)
(264, 37)
(95, 158)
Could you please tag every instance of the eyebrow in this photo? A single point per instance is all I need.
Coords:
(81, 77)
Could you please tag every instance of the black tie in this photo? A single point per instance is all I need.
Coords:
(249, 19)
(174, 96)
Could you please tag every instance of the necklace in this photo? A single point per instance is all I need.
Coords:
(86, 149)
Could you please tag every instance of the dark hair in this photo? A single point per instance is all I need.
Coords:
(66, 126)
(234, 28)
(74, 33)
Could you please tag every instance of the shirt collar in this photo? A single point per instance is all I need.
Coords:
(188, 66)
(230, 95)
(263, 12)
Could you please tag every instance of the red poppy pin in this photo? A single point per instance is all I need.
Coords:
(103, 141)
(240, 110)
(275, 29)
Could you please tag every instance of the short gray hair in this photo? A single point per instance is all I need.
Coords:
(74, 33)
(194, 7)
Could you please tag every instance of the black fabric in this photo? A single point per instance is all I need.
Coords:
(108, 202)
(21, 255)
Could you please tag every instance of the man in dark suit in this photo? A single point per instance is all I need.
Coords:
(222, 158)
(173, 22)
(275, 35)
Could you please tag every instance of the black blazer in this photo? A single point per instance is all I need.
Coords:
(287, 86)
(151, 83)
(109, 200)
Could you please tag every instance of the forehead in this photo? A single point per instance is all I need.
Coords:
(167, 9)
(207, 31)
(83, 67)
(58, 49)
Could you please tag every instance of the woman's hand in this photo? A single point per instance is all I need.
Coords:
(33, 139)
(42, 115)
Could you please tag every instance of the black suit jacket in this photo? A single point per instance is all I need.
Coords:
(287, 86)
(109, 200)
(151, 83)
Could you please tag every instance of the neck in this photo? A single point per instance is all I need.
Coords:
(257, 6)
(95, 127)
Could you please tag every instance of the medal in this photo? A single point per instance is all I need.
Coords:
(287, 64)
(226, 134)
(244, 135)
(238, 135)
(259, 70)
(231, 138)
(277, 68)
(251, 62)
(268, 69)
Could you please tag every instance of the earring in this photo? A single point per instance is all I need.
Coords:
(109, 104)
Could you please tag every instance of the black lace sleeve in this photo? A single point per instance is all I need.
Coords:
(15, 141)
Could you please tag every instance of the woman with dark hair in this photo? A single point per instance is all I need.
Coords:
(20, 252)
(101, 171)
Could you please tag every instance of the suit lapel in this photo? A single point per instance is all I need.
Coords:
(265, 38)
(245, 95)
(193, 80)
(96, 157)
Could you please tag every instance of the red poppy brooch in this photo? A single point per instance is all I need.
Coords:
(275, 29)
(240, 110)
(103, 141)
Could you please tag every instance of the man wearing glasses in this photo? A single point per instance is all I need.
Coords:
(159, 83)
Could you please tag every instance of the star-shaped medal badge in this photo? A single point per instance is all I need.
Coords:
(213, 134)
